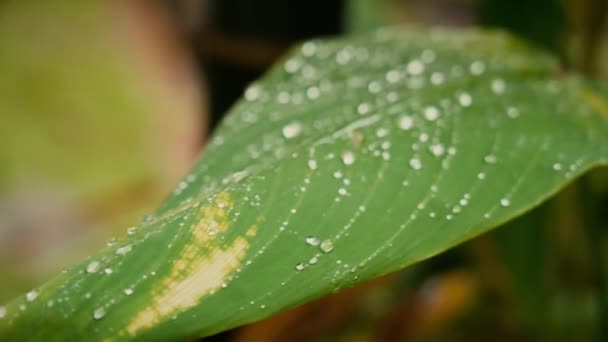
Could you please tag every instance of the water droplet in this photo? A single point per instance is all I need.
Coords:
(312, 164)
(490, 159)
(557, 166)
(437, 150)
(252, 92)
(374, 87)
(131, 230)
(300, 266)
(107, 271)
(431, 113)
(423, 137)
(415, 164)
(312, 240)
(381, 132)
(309, 49)
(415, 67)
(313, 260)
(326, 246)
(393, 76)
(348, 158)
(498, 86)
(342, 191)
(99, 313)
(477, 68)
(406, 122)
(124, 250)
(292, 65)
(505, 202)
(292, 130)
(465, 99)
(437, 78)
(481, 175)
(313, 92)
(2, 312)
(93, 266)
(363, 108)
(128, 291)
(512, 112)
(30, 296)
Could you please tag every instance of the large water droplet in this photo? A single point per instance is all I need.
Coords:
(326, 246)
(30, 296)
(312, 240)
(93, 266)
(124, 250)
(99, 313)
(292, 130)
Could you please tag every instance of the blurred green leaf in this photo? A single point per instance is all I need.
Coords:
(352, 158)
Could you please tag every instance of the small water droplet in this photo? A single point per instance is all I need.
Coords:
(313, 240)
(30, 296)
(309, 49)
(505, 202)
(431, 113)
(326, 246)
(131, 230)
(465, 99)
(2, 312)
(415, 67)
(128, 291)
(252, 92)
(300, 266)
(348, 158)
(313, 260)
(437, 149)
(124, 250)
(312, 164)
(477, 68)
(512, 112)
(406, 122)
(393, 76)
(490, 159)
(481, 175)
(557, 166)
(437, 78)
(415, 164)
(93, 266)
(99, 313)
(107, 271)
(313, 92)
(498, 86)
(342, 191)
(363, 108)
(292, 130)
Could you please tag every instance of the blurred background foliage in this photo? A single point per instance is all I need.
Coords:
(105, 104)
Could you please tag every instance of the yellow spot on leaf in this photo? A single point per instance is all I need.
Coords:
(200, 269)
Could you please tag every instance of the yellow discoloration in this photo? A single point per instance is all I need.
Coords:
(195, 275)
(251, 231)
(594, 101)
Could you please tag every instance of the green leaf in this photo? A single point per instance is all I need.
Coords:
(352, 158)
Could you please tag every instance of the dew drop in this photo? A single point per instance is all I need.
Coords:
(99, 313)
(490, 159)
(431, 113)
(342, 191)
(2, 312)
(363, 108)
(292, 130)
(465, 99)
(437, 78)
(128, 291)
(313, 260)
(498, 86)
(512, 112)
(131, 230)
(30, 296)
(313, 93)
(124, 250)
(107, 271)
(557, 166)
(326, 246)
(481, 175)
(415, 67)
(406, 122)
(312, 240)
(93, 266)
(348, 158)
(415, 164)
(437, 150)
(312, 164)
(393, 76)
(477, 68)
(300, 266)
(505, 202)
(252, 93)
